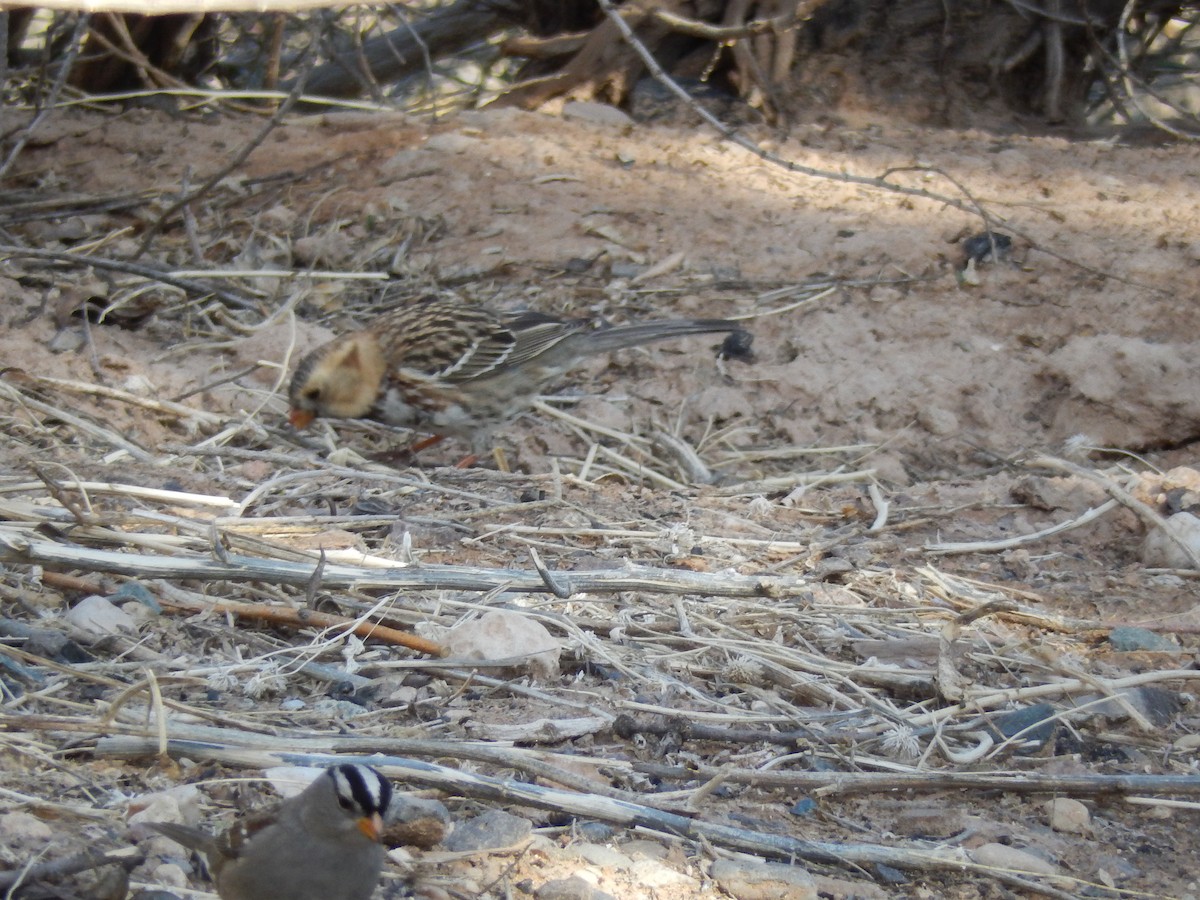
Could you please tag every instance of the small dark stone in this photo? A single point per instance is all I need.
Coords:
(803, 807)
(577, 265)
(596, 832)
(371, 506)
(1034, 723)
(738, 345)
(979, 246)
(595, 669)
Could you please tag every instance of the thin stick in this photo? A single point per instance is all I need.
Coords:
(987, 546)
(305, 618)
(198, 288)
(19, 545)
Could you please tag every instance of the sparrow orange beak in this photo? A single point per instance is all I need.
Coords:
(371, 826)
(301, 418)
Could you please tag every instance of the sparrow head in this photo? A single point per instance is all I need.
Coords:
(341, 379)
(361, 796)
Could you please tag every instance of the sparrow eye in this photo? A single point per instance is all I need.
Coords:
(312, 393)
(345, 803)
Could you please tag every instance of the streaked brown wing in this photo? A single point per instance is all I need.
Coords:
(456, 342)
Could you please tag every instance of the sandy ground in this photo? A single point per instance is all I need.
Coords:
(867, 333)
(1087, 334)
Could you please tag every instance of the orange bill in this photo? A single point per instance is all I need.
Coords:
(371, 826)
(301, 418)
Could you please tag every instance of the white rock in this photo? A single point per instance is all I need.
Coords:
(503, 634)
(1001, 856)
(96, 615)
(1160, 552)
(178, 804)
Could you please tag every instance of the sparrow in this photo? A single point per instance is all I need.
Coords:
(454, 370)
(322, 844)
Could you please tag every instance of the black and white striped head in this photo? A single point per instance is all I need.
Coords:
(360, 795)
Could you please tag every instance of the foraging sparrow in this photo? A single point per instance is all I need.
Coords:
(322, 844)
(451, 369)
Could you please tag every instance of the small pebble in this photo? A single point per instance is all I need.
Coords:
(1069, 815)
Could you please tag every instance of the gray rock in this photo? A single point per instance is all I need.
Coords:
(596, 831)
(416, 822)
(338, 709)
(1127, 638)
(491, 831)
(763, 880)
(573, 888)
(1156, 704)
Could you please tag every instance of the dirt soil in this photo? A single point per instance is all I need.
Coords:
(881, 359)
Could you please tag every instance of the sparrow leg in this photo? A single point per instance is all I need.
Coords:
(472, 459)
(407, 456)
